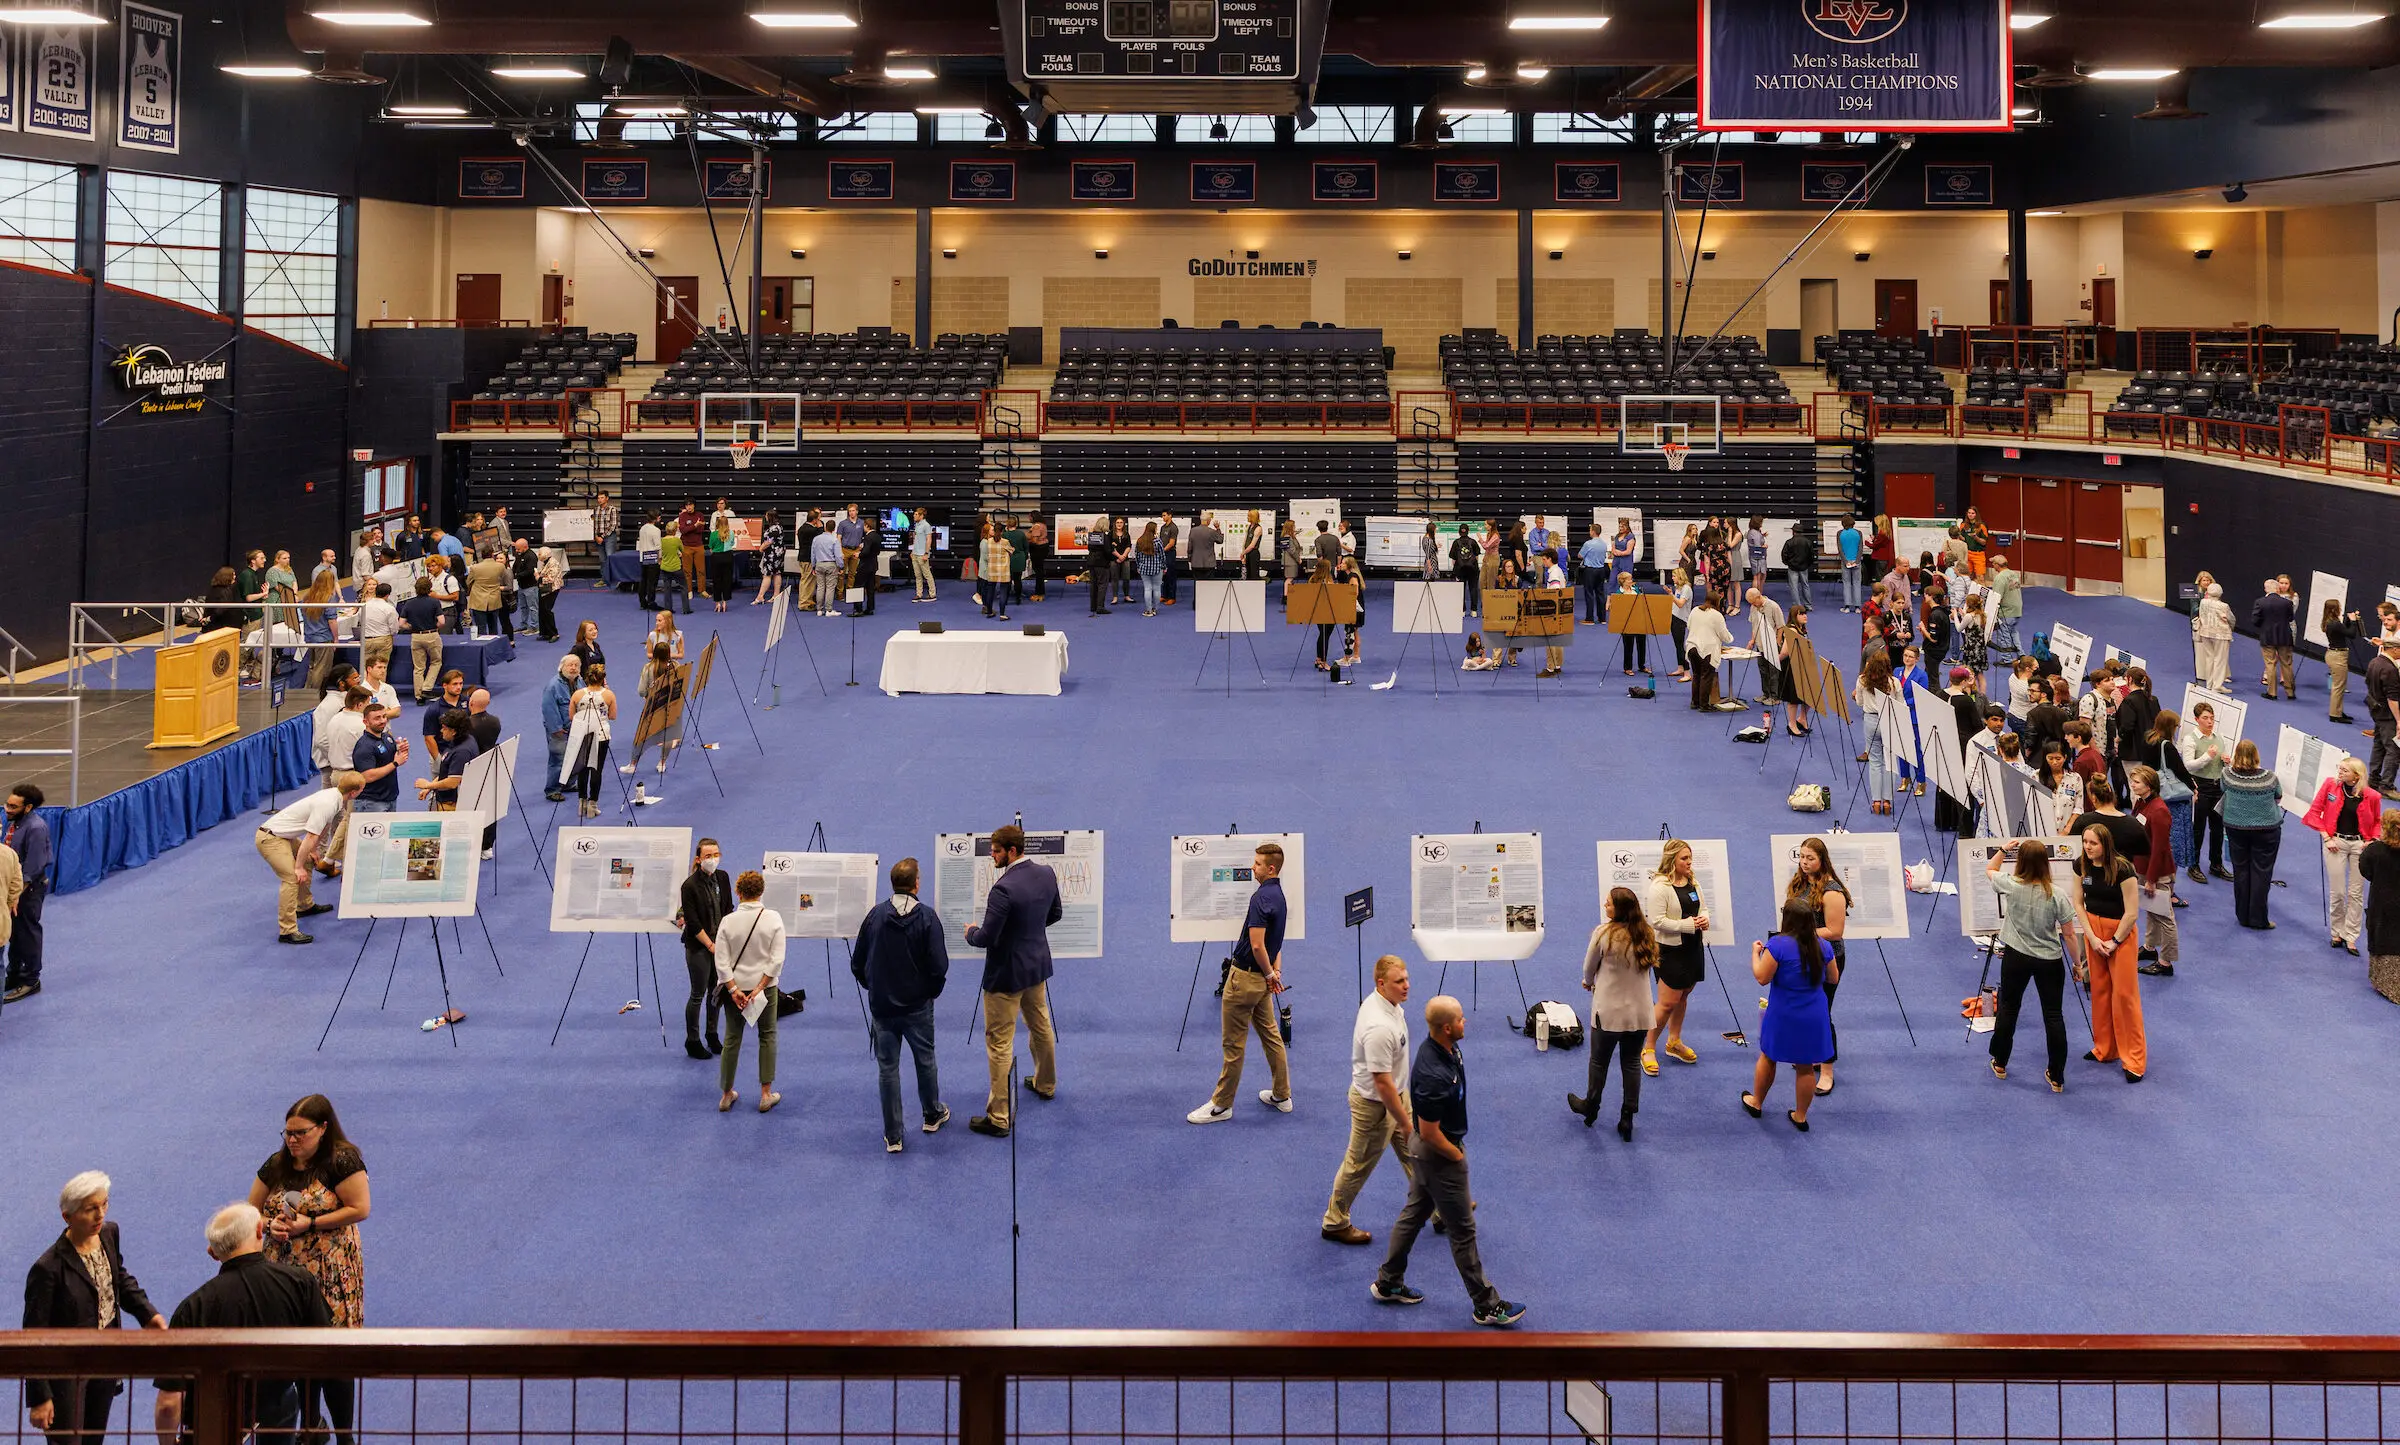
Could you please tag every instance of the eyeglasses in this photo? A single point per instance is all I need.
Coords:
(302, 1132)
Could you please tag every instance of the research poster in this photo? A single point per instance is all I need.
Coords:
(411, 865)
(2073, 649)
(1945, 754)
(1476, 895)
(1978, 900)
(2233, 715)
(1604, 524)
(2006, 793)
(819, 895)
(618, 880)
(1210, 882)
(485, 786)
(1308, 511)
(1869, 865)
(1913, 537)
(1219, 605)
(1438, 607)
(2123, 658)
(2323, 587)
(568, 524)
(1391, 542)
(1067, 532)
(1236, 527)
(962, 878)
(1630, 863)
(778, 614)
(2303, 762)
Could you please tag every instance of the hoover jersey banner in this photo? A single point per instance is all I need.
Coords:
(58, 81)
(149, 114)
(1854, 65)
(11, 108)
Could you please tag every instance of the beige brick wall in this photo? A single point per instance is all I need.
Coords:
(1096, 301)
(1253, 301)
(1713, 299)
(1562, 305)
(960, 303)
(1414, 312)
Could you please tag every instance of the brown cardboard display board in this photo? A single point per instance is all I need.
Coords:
(1641, 614)
(662, 710)
(1320, 603)
(706, 665)
(1544, 612)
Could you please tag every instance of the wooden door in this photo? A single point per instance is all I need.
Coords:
(554, 300)
(478, 300)
(2000, 316)
(2048, 527)
(1908, 494)
(2104, 301)
(678, 315)
(775, 306)
(1896, 309)
(1996, 500)
(2099, 517)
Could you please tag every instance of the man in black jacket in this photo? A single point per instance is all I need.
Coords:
(902, 961)
(248, 1291)
(707, 898)
(2271, 617)
(1099, 559)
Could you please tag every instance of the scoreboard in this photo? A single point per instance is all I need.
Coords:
(1099, 40)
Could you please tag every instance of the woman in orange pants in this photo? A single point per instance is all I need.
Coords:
(2106, 892)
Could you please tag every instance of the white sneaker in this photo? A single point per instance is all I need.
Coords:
(627, 768)
(1208, 1114)
(1267, 1097)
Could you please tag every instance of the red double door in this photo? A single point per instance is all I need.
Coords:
(2073, 530)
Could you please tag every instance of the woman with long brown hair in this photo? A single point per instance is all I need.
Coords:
(1617, 965)
(2035, 932)
(2108, 899)
(1796, 1027)
(313, 1192)
(1814, 883)
(1679, 916)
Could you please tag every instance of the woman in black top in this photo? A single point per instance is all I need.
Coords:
(2379, 861)
(81, 1283)
(587, 643)
(2107, 892)
(2137, 709)
(1466, 564)
(2340, 631)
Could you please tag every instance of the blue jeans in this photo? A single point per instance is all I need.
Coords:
(1852, 583)
(373, 805)
(529, 609)
(1797, 579)
(1151, 580)
(916, 1027)
(2005, 635)
(1879, 771)
(551, 788)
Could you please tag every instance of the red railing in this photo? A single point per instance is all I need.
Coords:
(1013, 411)
(1734, 418)
(2258, 350)
(427, 323)
(548, 413)
(658, 414)
(1254, 416)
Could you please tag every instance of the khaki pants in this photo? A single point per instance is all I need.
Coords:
(371, 648)
(2278, 672)
(1000, 1011)
(2337, 679)
(849, 568)
(2345, 889)
(280, 853)
(923, 568)
(1372, 1130)
(695, 572)
(1555, 658)
(2212, 663)
(808, 587)
(1248, 1006)
(425, 654)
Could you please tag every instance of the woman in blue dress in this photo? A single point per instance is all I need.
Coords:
(1796, 1027)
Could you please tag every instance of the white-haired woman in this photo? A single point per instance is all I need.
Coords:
(81, 1283)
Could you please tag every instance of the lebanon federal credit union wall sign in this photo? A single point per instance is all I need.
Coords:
(159, 384)
(1854, 65)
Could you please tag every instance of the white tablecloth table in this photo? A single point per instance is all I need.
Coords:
(984, 661)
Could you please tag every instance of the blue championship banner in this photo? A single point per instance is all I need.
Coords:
(616, 180)
(491, 178)
(1479, 181)
(731, 180)
(1719, 185)
(11, 108)
(1830, 184)
(1587, 181)
(858, 180)
(1854, 65)
(150, 80)
(58, 81)
(1343, 181)
(983, 180)
(1958, 185)
(1100, 180)
(1225, 181)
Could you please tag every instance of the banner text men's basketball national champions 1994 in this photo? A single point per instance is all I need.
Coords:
(1854, 65)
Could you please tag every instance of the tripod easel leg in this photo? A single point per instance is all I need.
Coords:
(394, 971)
(1190, 996)
(345, 993)
(1895, 983)
(651, 944)
(451, 1017)
(588, 940)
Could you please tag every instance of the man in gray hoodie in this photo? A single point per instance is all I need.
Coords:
(902, 961)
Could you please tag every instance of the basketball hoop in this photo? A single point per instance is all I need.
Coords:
(1674, 452)
(742, 452)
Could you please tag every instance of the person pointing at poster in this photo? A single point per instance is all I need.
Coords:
(1015, 939)
(1253, 977)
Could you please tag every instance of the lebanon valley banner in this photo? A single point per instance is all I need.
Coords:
(1854, 65)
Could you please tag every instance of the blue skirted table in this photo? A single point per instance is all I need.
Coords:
(129, 828)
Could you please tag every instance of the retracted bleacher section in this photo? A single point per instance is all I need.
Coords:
(844, 379)
(1230, 378)
(1141, 479)
(1565, 481)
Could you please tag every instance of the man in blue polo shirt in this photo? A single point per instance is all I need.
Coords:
(1253, 979)
(1853, 544)
(458, 749)
(377, 757)
(1437, 1097)
(1594, 558)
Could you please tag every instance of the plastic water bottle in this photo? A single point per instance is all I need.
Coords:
(1541, 1033)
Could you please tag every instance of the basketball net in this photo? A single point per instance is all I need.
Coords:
(742, 452)
(1675, 453)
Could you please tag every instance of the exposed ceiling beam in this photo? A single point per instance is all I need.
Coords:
(802, 93)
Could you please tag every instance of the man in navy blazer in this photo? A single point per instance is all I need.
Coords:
(2272, 617)
(1015, 939)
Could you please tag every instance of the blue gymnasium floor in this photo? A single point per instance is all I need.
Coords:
(2247, 1186)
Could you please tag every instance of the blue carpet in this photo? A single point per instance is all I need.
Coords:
(2244, 1187)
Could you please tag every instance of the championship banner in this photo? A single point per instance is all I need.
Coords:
(1832, 184)
(858, 180)
(1586, 182)
(494, 178)
(11, 106)
(1855, 65)
(1100, 180)
(1958, 185)
(58, 82)
(1225, 181)
(1719, 185)
(1342, 181)
(616, 180)
(733, 180)
(150, 80)
(983, 180)
(1478, 182)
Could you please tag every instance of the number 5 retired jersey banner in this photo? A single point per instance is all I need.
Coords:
(1475, 896)
(1854, 65)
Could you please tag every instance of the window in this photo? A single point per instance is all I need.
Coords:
(1560, 128)
(291, 267)
(587, 126)
(884, 126)
(166, 237)
(1495, 129)
(1239, 129)
(38, 211)
(1351, 125)
(1118, 128)
(963, 128)
(389, 494)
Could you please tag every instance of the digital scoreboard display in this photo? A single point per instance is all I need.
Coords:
(1181, 39)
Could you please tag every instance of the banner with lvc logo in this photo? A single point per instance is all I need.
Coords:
(1854, 65)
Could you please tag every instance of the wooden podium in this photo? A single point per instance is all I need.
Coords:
(199, 690)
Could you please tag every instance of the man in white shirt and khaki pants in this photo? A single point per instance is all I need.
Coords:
(1378, 1099)
(294, 840)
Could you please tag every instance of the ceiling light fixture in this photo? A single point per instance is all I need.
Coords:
(424, 107)
(1558, 22)
(949, 110)
(803, 17)
(537, 70)
(52, 15)
(1455, 110)
(2130, 72)
(1523, 72)
(2030, 214)
(908, 72)
(649, 112)
(278, 72)
(2307, 21)
(2235, 194)
(2024, 112)
(1216, 130)
(370, 19)
(2018, 20)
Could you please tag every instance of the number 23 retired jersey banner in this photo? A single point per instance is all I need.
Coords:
(1854, 65)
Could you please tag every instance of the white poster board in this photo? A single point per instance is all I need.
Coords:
(485, 786)
(1893, 722)
(1235, 525)
(819, 895)
(2123, 658)
(1067, 529)
(1913, 537)
(1869, 865)
(1476, 896)
(2073, 649)
(2233, 715)
(411, 865)
(1945, 756)
(1431, 607)
(619, 880)
(1604, 525)
(1228, 606)
(1394, 542)
(2303, 762)
(1666, 535)
(777, 616)
(1630, 863)
(1210, 883)
(1308, 511)
(567, 524)
(2322, 586)
(962, 879)
(2012, 804)
(1978, 900)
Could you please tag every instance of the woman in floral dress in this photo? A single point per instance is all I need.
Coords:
(313, 1192)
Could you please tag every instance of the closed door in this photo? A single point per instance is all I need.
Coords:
(785, 305)
(1820, 313)
(2048, 529)
(554, 300)
(1908, 494)
(1896, 308)
(2002, 510)
(1999, 303)
(2099, 512)
(2104, 301)
(678, 315)
(478, 301)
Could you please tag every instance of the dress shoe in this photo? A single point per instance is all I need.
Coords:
(2195, 874)
(2219, 871)
(19, 992)
(716, 1046)
(314, 909)
(980, 1124)
(1347, 1234)
(1045, 1095)
(294, 938)
(693, 1048)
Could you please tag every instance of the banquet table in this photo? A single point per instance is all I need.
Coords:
(974, 662)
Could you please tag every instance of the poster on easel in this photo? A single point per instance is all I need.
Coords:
(485, 786)
(661, 722)
(2303, 762)
(1210, 880)
(2323, 587)
(2233, 715)
(568, 524)
(2073, 649)
(962, 881)
(819, 895)
(1476, 896)
(1945, 754)
(2123, 658)
(1632, 863)
(411, 865)
(778, 616)
(1604, 526)
(619, 880)
(1307, 512)
(1438, 607)
(1221, 605)
(1870, 868)
(1236, 527)
(1979, 910)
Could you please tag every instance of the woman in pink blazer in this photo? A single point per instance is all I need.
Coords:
(2348, 813)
